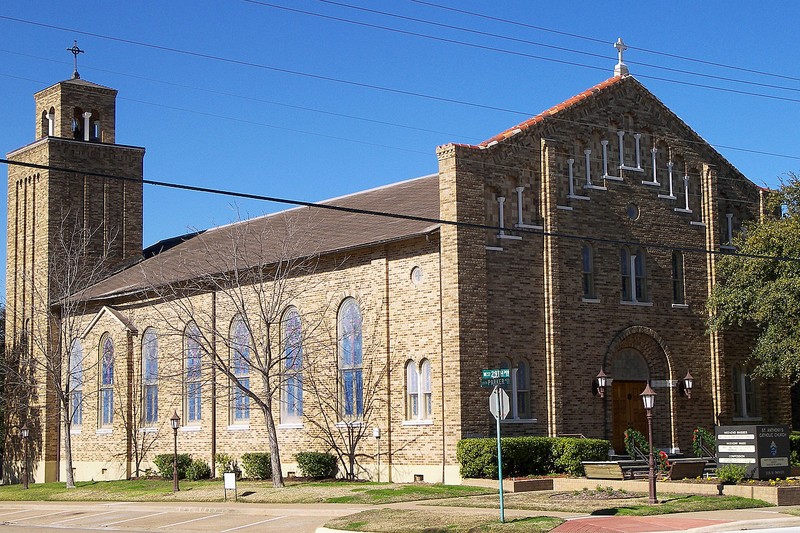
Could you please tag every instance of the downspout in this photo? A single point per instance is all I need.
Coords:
(441, 360)
(213, 384)
(388, 372)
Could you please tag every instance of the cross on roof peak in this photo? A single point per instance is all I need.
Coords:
(621, 69)
(75, 51)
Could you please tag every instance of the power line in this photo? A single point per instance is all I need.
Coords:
(386, 214)
(528, 42)
(605, 42)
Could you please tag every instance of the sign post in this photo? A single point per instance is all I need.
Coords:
(499, 407)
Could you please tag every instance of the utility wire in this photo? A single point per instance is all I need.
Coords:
(605, 42)
(386, 214)
(534, 43)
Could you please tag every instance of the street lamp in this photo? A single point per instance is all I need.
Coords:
(686, 385)
(601, 380)
(649, 399)
(25, 432)
(175, 420)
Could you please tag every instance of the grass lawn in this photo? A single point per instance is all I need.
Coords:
(413, 521)
(596, 502)
(249, 491)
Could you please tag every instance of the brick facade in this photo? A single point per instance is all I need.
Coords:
(481, 298)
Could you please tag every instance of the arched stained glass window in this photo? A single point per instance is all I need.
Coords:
(240, 368)
(192, 386)
(76, 383)
(292, 337)
(351, 359)
(150, 376)
(106, 381)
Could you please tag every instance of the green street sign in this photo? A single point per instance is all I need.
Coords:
(495, 377)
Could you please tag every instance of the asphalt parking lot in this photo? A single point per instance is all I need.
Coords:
(172, 517)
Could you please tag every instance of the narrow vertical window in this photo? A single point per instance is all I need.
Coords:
(625, 272)
(106, 381)
(522, 391)
(292, 334)
(192, 375)
(587, 267)
(412, 391)
(640, 275)
(240, 368)
(76, 383)
(150, 377)
(745, 400)
(351, 359)
(425, 390)
(678, 290)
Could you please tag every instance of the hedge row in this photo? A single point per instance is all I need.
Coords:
(528, 456)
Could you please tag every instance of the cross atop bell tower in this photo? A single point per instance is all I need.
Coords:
(75, 51)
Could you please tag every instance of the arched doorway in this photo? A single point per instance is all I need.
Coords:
(630, 374)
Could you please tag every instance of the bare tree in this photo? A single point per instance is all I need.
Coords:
(50, 365)
(347, 392)
(233, 290)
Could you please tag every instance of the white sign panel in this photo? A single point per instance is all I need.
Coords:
(504, 403)
(230, 480)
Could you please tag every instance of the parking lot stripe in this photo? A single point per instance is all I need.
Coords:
(253, 524)
(134, 518)
(39, 516)
(187, 521)
(14, 512)
(81, 517)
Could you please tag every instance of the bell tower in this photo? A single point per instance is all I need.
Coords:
(84, 184)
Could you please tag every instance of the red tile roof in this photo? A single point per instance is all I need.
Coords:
(552, 111)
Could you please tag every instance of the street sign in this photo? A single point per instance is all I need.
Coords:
(499, 403)
(495, 377)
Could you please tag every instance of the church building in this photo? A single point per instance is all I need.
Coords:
(582, 241)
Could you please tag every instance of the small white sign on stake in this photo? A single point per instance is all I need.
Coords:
(230, 484)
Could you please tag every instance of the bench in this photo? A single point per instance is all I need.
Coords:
(603, 470)
(682, 469)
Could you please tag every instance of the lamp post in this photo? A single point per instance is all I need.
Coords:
(601, 380)
(25, 432)
(175, 420)
(649, 399)
(688, 382)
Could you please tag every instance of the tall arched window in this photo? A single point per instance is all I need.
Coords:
(240, 368)
(419, 403)
(745, 394)
(351, 359)
(150, 377)
(106, 381)
(292, 337)
(587, 268)
(519, 390)
(192, 389)
(76, 383)
(634, 274)
(678, 287)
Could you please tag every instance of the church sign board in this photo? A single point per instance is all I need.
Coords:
(762, 450)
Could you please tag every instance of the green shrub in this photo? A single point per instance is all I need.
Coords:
(528, 456)
(794, 446)
(257, 465)
(702, 438)
(635, 440)
(198, 469)
(164, 464)
(317, 464)
(731, 473)
(225, 463)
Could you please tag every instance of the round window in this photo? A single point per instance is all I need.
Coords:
(416, 275)
(632, 211)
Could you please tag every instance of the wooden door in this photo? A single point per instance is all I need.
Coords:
(627, 411)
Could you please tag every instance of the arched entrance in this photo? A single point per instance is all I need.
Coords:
(637, 355)
(630, 374)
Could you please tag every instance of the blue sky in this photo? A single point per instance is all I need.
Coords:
(253, 128)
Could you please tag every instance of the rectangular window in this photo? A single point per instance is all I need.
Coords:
(587, 263)
(193, 402)
(150, 404)
(625, 271)
(678, 291)
(76, 407)
(745, 400)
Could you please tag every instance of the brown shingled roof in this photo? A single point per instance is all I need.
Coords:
(311, 230)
